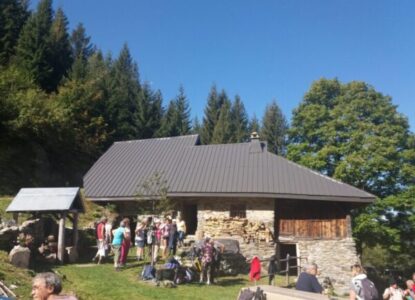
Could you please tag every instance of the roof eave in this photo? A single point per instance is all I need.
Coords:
(367, 200)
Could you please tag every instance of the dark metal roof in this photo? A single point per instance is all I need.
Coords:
(190, 170)
(47, 199)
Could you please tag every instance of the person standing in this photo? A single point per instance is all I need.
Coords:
(119, 235)
(100, 234)
(165, 236)
(139, 240)
(307, 281)
(157, 239)
(409, 293)
(393, 292)
(173, 238)
(361, 287)
(126, 243)
(181, 229)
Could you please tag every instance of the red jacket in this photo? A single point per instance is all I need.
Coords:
(255, 273)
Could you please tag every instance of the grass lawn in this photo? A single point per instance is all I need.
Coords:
(90, 281)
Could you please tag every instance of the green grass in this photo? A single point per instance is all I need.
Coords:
(4, 202)
(102, 282)
(11, 275)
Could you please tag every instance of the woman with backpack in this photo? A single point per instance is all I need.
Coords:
(361, 287)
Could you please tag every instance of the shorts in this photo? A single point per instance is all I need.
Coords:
(139, 243)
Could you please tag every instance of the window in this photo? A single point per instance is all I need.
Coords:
(238, 210)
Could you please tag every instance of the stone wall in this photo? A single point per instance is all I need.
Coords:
(334, 258)
(252, 233)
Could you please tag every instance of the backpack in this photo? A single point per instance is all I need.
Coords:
(149, 237)
(366, 289)
(149, 272)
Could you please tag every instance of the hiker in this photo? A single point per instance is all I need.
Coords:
(139, 240)
(149, 236)
(307, 281)
(118, 235)
(47, 286)
(393, 292)
(409, 292)
(165, 236)
(173, 238)
(157, 238)
(207, 259)
(361, 287)
(126, 243)
(100, 235)
(272, 269)
(108, 232)
(181, 230)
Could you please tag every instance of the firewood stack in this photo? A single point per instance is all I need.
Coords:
(250, 231)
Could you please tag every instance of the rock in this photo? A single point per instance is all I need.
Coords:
(20, 256)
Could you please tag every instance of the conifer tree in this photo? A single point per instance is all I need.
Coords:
(149, 112)
(254, 125)
(168, 123)
(82, 49)
(196, 126)
(274, 129)
(61, 51)
(222, 132)
(239, 121)
(33, 50)
(183, 113)
(211, 116)
(13, 15)
(124, 91)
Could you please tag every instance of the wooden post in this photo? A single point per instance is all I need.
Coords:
(287, 270)
(75, 233)
(61, 238)
(16, 218)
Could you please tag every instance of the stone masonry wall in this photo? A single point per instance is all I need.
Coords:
(214, 220)
(333, 257)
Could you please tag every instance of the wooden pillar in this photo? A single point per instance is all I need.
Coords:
(75, 232)
(61, 238)
(16, 217)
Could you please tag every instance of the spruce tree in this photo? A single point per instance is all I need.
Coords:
(169, 124)
(222, 131)
(82, 49)
(274, 129)
(196, 126)
(149, 112)
(61, 51)
(13, 15)
(124, 91)
(254, 125)
(183, 113)
(33, 51)
(239, 121)
(211, 116)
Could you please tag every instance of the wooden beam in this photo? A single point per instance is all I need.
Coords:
(61, 238)
(75, 233)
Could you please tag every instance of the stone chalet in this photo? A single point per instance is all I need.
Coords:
(241, 191)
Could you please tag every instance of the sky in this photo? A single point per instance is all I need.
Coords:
(261, 50)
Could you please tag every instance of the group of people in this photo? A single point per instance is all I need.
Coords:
(150, 237)
(361, 288)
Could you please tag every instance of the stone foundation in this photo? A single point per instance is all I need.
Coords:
(333, 257)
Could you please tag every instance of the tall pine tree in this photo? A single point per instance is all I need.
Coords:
(61, 50)
(33, 51)
(124, 92)
(183, 112)
(254, 125)
(274, 129)
(82, 49)
(210, 119)
(222, 131)
(13, 15)
(149, 112)
(239, 121)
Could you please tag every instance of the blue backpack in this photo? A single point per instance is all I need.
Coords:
(149, 273)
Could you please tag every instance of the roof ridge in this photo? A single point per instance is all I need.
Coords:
(159, 138)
